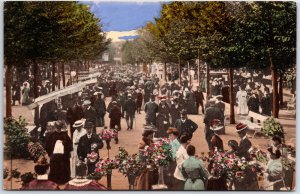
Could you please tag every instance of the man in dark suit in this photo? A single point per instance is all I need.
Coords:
(185, 126)
(219, 103)
(199, 99)
(253, 102)
(88, 143)
(90, 113)
(115, 115)
(151, 108)
(212, 112)
(100, 109)
(175, 110)
(129, 109)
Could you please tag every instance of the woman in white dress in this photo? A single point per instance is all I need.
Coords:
(241, 97)
(78, 133)
(181, 156)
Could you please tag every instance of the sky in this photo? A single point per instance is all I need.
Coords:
(124, 16)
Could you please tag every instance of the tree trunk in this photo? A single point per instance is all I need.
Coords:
(58, 76)
(165, 70)
(35, 79)
(231, 96)
(207, 81)
(199, 71)
(63, 74)
(53, 75)
(8, 80)
(179, 70)
(275, 104)
(281, 88)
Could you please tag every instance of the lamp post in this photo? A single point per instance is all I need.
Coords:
(73, 74)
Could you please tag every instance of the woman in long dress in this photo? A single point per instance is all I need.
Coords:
(181, 156)
(78, 133)
(193, 170)
(149, 176)
(241, 97)
(25, 94)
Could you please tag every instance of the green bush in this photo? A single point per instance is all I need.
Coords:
(16, 137)
(272, 127)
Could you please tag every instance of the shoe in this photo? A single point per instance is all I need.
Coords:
(128, 129)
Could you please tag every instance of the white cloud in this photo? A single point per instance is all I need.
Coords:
(115, 35)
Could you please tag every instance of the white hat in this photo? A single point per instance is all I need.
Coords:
(96, 93)
(78, 123)
(86, 102)
(129, 95)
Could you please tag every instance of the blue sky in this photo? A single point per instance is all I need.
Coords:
(124, 16)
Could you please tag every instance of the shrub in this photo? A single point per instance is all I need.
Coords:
(272, 127)
(17, 137)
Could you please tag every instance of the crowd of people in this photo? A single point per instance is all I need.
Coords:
(166, 109)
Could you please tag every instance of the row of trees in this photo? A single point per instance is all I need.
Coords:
(228, 35)
(49, 33)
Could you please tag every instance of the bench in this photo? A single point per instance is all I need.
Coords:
(256, 126)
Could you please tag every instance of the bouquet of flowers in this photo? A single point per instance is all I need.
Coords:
(122, 154)
(105, 166)
(259, 155)
(107, 135)
(162, 154)
(147, 154)
(223, 164)
(288, 164)
(131, 165)
(92, 157)
(36, 150)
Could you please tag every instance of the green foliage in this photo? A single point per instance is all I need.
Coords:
(48, 31)
(272, 127)
(226, 34)
(17, 137)
(95, 176)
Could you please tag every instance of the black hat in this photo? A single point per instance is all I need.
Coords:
(277, 138)
(183, 112)
(233, 143)
(88, 125)
(60, 125)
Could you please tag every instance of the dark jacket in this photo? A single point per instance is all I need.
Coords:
(130, 107)
(84, 145)
(90, 115)
(188, 127)
(242, 151)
